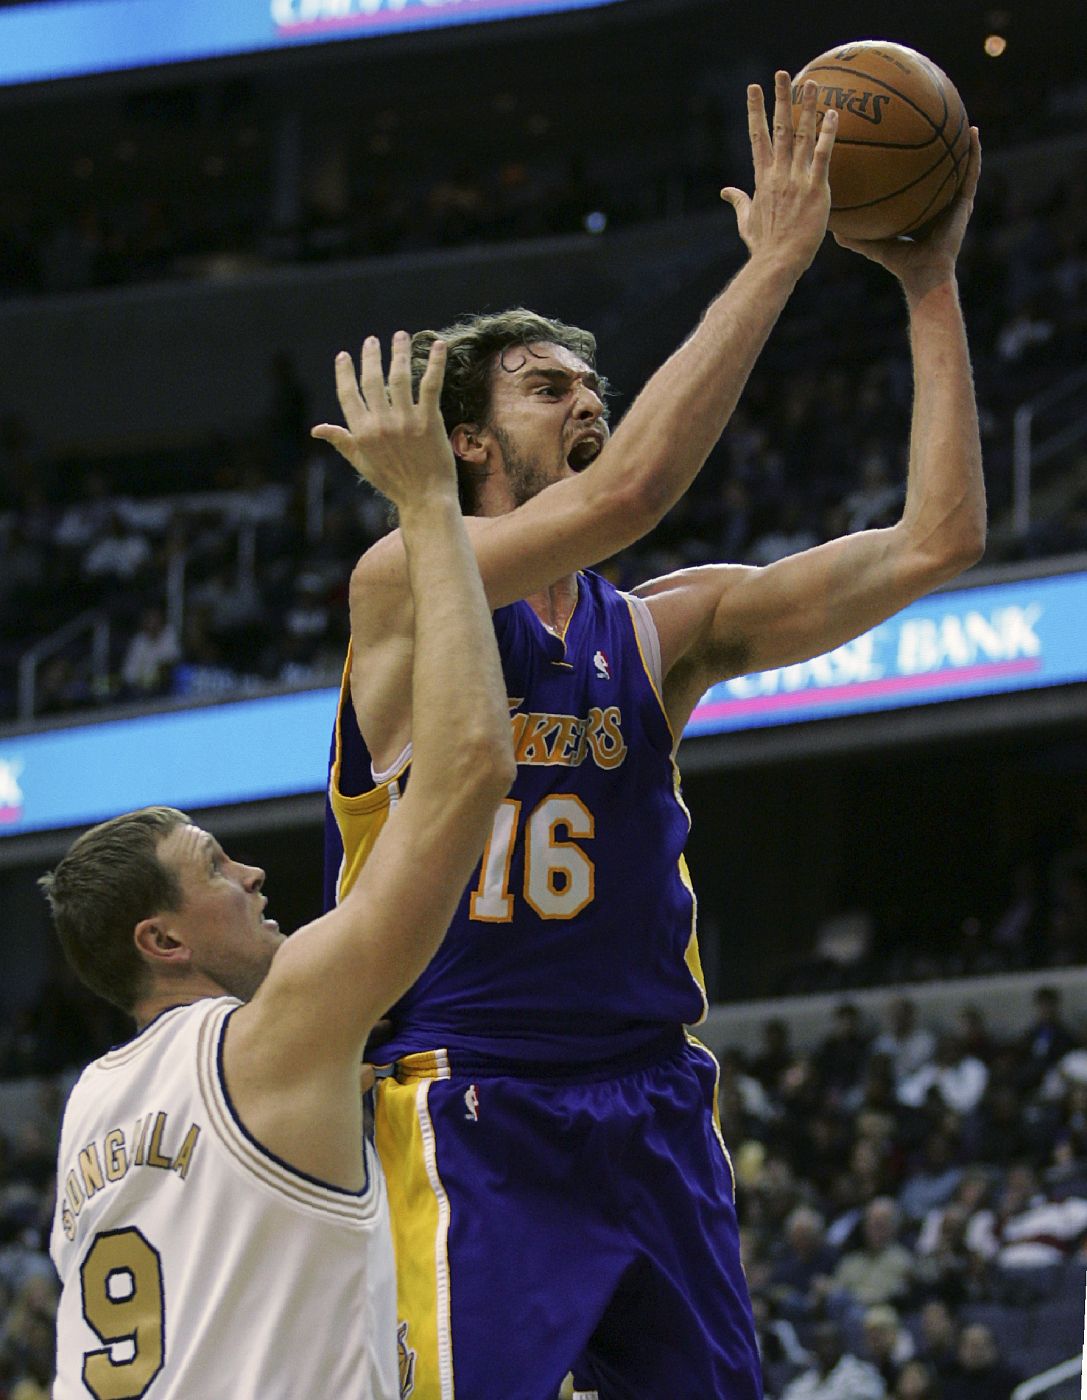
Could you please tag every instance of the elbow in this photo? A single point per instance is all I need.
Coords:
(942, 554)
(964, 549)
(486, 766)
(495, 764)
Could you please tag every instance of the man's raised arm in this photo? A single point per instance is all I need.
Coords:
(725, 620)
(298, 1043)
(673, 424)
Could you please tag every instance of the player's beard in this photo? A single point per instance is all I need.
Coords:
(525, 477)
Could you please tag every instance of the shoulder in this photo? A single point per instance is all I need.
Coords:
(690, 609)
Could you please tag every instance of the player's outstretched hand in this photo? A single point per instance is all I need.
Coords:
(787, 217)
(922, 262)
(397, 443)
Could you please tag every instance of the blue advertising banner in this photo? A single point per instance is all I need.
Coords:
(955, 645)
(69, 38)
(276, 746)
(949, 646)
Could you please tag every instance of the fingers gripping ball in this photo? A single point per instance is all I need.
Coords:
(903, 140)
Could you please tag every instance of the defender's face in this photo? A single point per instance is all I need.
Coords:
(547, 417)
(221, 918)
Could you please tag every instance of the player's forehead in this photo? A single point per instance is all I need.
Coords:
(187, 845)
(518, 363)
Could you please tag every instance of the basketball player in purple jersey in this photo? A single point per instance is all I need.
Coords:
(561, 1196)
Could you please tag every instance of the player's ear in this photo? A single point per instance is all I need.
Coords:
(466, 439)
(157, 944)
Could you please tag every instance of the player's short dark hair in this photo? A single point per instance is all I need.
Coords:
(473, 344)
(110, 879)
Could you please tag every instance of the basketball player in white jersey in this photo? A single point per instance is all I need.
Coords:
(221, 1230)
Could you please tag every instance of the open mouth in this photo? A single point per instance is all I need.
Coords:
(584, 451)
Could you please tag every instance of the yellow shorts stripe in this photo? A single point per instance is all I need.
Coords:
(419, 1208)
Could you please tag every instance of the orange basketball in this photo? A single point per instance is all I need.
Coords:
(903, 138)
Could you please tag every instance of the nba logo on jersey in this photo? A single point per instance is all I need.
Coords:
(471, 1103)
(603, 668)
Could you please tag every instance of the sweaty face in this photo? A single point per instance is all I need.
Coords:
(221, 918)
(547, 418)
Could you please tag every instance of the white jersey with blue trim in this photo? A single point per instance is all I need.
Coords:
(195, 1265)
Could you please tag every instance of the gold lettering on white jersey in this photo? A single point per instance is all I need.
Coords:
(154, 1155)
(116, 1157)
(185, 1151)
(74, 1192)
(139, 1133)
(90, 1169)
(100, 1164)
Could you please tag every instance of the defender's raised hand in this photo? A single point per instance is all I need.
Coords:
(787, 217)
(397, 443)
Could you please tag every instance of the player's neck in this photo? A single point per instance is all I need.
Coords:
(554, 605)
(180, 993)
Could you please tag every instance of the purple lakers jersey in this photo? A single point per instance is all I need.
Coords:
(575, 937)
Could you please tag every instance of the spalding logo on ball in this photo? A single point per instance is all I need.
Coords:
(903, 140)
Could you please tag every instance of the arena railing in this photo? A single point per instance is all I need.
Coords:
(1029, 452)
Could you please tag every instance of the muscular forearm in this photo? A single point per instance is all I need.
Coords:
(944, 514)
(459, 712)
(673, 424)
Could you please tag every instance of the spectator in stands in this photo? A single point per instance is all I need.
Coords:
(916, 1381)
(875, 1094)
(28, 1337)
(881, 1269)
(841, 1057)
(1030, 1230)
(118, 555)
(887, 1344)
(947, 1269)
(817, 1135)
(999, 1133)
(938, 1344)
(780, 1350)
(1047, 1038)
(1024, 334)
(231, 602)
(800, 1258)
(933, 1180)
(879, 496)
(150, 656)
(775, 1055)
(909, 1045)
(836, 1374)
(791, 533)
(954, 1078)
(971, 1195)
(982, 1372)
(88, 519)
(1068, 1125)
(63, 685)
(871, 1160)
(734, 1078)
(973, 1033)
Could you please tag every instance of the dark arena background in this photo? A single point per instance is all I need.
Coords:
(889, 844)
